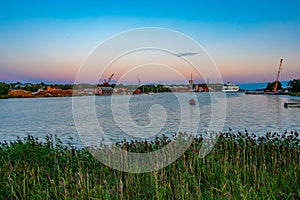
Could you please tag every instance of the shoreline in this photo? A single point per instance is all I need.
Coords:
(296, 95)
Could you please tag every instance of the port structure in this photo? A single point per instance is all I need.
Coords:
(278, 74)
(106, 83)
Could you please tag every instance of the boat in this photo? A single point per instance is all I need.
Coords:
(230, 88)
(291, 105)
(192, 102)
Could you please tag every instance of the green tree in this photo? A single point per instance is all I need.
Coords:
(295, 85)
(153, 88)
(270, 86)
(4, 88)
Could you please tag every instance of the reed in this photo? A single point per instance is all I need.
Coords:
(241, 166)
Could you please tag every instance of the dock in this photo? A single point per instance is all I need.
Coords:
(254, 92)
(291, 105)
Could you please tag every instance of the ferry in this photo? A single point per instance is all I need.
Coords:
(230, 88)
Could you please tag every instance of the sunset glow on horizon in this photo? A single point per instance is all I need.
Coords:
(49, 41)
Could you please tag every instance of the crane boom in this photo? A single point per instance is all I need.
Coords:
(278, 74)
(110, 78)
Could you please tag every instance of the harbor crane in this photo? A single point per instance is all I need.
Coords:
(278, 74)
(106, 83)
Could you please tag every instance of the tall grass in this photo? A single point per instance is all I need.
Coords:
(241, 166)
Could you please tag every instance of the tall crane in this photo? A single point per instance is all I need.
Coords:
(278, 74)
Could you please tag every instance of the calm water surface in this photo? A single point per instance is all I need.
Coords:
(41, 116)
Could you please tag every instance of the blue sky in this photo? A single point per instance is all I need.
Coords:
(238, 11)
(48, 40)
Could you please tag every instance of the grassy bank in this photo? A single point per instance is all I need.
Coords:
(239, 167)
(3, 96)
(297, 94)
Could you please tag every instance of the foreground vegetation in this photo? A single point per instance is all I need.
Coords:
(241, 166)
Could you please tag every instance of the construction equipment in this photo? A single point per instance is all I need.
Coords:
(106, 83)
(278, 74)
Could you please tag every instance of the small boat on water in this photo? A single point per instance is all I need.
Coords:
(230, 88)
(192, 102)
(291, 105)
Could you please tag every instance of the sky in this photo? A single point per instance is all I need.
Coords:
(49, 40)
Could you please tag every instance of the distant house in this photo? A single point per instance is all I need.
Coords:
(88, 91)
(104, 91)
(22, 85)
(178, 88)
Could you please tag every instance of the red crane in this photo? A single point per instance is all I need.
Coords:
(106, 83)
(278, 74)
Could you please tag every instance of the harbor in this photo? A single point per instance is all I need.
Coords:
(158, 100)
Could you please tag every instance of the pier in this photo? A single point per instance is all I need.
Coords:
(291, 105)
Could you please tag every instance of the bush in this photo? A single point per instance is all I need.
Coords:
(241, 166)
(295, 85)
(4, 88)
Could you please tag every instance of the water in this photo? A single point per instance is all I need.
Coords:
(259, 86)
(41, 116)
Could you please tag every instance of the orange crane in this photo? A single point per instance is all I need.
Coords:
(278, 74)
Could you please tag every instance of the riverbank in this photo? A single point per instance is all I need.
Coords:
(240, 166)
(3, 96)
(296, 94)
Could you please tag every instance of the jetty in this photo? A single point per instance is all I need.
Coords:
(291, 105)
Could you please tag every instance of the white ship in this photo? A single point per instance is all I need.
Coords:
(230, 88)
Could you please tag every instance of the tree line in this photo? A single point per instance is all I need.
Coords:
(294, 87)
(5, 87)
